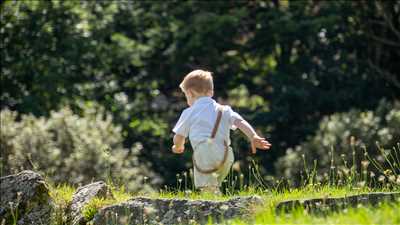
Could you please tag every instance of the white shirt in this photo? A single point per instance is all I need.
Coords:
(198, 121)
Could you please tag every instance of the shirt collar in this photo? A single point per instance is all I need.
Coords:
(203, 100)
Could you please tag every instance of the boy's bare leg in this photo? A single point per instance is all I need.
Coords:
(211, 189)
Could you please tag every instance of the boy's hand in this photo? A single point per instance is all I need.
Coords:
(178, 150)
(179, 144)
(259, 142)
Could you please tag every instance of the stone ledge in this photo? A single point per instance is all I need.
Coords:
(28, 194)
(82, 197)
(324, 205)
(175, 211)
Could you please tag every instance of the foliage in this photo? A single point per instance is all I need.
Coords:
(70, 148)
(345, 142)
(283, 65)
(62, 196)
(94, 205)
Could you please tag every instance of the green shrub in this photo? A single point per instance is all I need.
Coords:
(70, 148)
(344, 145)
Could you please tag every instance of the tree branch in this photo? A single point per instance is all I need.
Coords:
(387, 19)
(387, 75)
(383, 40)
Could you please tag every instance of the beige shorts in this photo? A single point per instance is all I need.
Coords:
(207, 155)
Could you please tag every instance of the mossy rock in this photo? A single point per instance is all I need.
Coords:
(25, 199)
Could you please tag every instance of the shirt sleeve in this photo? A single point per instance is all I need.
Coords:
(182, 126)
(232, 117)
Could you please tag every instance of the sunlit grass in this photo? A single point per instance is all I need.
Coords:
(235, 186)
(387, 213)
(62, 193)
(91, 208)
(119, 194)
(384, 214)
(62, 196)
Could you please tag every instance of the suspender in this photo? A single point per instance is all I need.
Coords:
(216, 125)
(213, 133)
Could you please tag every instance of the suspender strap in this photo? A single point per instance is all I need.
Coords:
(216, 125)
(213, 133)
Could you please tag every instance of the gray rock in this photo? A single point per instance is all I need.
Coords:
(175, 211)
(81, 198)
(326, 205)
(25, 199)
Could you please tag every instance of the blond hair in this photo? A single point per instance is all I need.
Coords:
(199, 81)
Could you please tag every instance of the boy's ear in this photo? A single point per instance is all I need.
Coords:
(191, 93)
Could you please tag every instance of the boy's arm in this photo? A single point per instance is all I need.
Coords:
(256, 141)
(179, 144)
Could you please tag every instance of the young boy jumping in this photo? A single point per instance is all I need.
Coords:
(208, 125)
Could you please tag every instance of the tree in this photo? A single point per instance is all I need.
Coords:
(284, 65)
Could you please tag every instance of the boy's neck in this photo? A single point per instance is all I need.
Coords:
(200, 96)
(193, 97)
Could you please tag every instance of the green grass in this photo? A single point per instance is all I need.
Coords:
(62, 196)
(119, 194)
(388, 213)
(384, 214)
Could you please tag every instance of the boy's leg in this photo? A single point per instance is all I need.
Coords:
(211, 182)
(211, 189)
(206, 157)
(205, 180)
(226, 167)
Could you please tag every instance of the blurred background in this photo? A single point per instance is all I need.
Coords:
(89, 89)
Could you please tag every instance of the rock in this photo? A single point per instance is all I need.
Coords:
(81, 198)
(175, 211)
(25, 199)
(323, 205)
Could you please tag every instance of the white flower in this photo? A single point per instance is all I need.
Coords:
(372, 174)
(365, 163)
(224, 207)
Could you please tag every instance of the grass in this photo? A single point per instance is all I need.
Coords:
(389, 180)
(384, 214)
(62, 196)
(119, 194)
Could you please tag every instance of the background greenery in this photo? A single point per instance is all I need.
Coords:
(290, 68)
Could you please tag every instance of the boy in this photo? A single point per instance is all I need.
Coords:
(208, 124)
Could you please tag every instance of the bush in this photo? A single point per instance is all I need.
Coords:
(345, 141)
(70, 148)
